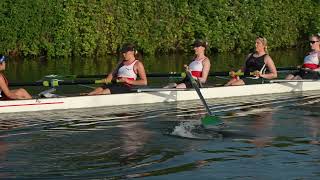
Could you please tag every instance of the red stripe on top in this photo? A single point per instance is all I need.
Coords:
(196, 73)
(310, 66)
(127, 78)
(130, 85)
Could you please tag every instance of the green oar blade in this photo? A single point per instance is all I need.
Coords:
(210, 121)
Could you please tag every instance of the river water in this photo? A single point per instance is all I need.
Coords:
(266, 137)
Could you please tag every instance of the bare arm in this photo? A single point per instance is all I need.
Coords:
(109, 77)
(206, 69)
(272, 68)
(142, 74)
(318, 69)
(5, 89)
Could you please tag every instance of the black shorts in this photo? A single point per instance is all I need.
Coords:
(307, 74)
(250, 80)
(118, 88)
(188, 83)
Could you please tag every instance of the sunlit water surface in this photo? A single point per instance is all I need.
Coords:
(267, 137)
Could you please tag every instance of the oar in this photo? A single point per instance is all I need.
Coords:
(56, 82)
(287, 68)
(157, 89)
(169, 74)
(293, 80)
(210, 119)
(158, 74)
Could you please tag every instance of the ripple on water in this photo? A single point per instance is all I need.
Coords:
(140, 141)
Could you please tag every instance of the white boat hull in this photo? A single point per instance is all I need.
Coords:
(152, 97)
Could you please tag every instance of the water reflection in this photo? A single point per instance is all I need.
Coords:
(261, 126)
(35, 69)
(133, 136)
(314, 130)
(3, 157)
(4, 147)
(128, 141)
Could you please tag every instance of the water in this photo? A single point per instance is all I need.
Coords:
(267, 137)
(270, 137)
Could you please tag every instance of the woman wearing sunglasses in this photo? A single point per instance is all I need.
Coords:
(259, 62)
(128, 73)
(5, 92)
(199, 67)
(310, 68)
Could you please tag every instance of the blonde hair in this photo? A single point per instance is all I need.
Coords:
(316, 35)
(264, 42)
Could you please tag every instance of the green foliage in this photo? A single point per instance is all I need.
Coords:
(99, 27)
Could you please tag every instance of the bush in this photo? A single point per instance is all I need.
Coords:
(95, 28)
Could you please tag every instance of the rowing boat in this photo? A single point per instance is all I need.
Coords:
(150, 95)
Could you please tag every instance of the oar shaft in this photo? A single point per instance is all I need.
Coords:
(194, 84)
(158, 89)
(170, 74)
(54, 83)
(159, 74)
(42, 83)
(287, 68)
(297, 80)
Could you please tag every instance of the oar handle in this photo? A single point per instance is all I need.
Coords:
(239, 73)
(39, 83)
(75, 82)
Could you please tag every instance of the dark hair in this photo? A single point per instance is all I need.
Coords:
(199, 42)
(131, 47)
(128, 47)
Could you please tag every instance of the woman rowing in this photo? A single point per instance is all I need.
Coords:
(125, 74)
(199, 67)
(5, 92)
(259, 63)
(311, 67)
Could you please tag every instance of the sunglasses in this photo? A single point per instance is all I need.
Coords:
(312, 42)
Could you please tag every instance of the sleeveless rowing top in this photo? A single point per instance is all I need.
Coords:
(311, 61)
(2, 95)
(127, 71)
(255, 63)
(196, 67)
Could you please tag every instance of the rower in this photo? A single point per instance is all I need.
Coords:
(124, 76)
(5, 92)
(258, 62)
(311, 67)
(199, 67)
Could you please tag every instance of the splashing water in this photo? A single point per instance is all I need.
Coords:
(194, 130)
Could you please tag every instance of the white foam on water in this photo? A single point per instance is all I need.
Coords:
(184, 129)
(193, 130)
